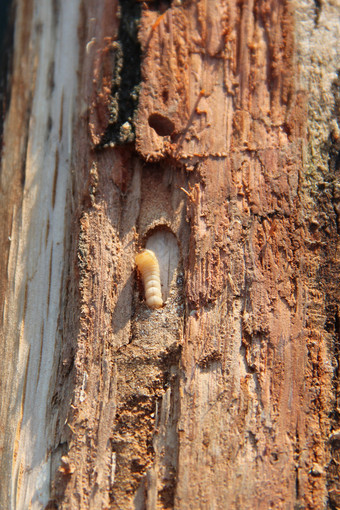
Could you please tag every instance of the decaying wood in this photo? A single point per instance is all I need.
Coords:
(227, 396)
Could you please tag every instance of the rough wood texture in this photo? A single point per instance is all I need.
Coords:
(35, 177)
(227, 396)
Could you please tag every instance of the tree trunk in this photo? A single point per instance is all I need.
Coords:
(207, 132)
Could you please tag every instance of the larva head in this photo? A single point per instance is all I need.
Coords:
(144, 259)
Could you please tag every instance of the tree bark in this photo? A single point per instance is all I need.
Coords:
(208, 132)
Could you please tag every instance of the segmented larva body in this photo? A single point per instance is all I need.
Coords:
(147, 264)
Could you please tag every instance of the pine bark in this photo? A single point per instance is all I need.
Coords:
(208, 132)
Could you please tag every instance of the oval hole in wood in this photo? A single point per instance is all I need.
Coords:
(161, 124)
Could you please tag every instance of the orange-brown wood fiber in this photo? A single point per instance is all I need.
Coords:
(221, 399)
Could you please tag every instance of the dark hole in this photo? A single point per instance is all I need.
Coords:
(160, 5)
(165, 95)
(136, 466)
(162, 125)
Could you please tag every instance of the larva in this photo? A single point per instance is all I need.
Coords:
(147, 264)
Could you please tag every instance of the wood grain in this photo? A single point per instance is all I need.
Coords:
(227, 396)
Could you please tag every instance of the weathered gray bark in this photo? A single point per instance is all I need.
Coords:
(35, 205)
(227, 396)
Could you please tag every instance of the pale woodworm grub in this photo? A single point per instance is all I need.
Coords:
(148, 266)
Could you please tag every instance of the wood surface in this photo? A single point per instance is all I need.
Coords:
(205, 131)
